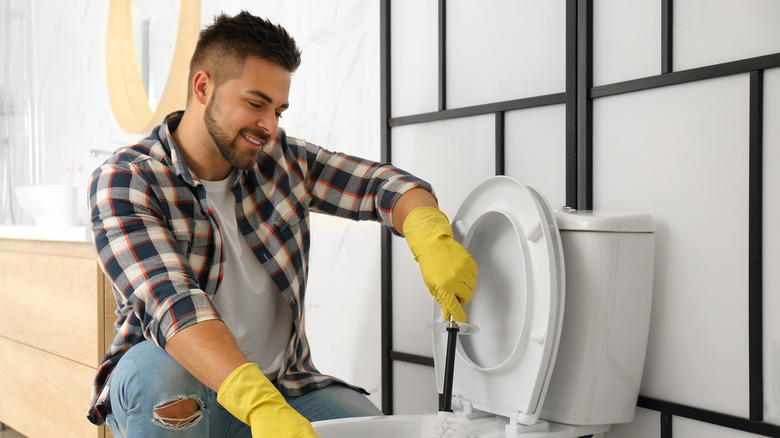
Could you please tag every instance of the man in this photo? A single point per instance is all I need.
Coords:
(203, 230)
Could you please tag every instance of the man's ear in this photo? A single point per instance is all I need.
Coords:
(201, 87)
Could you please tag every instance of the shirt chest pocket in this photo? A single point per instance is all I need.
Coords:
(288, 224)
(289, 239)
(193, 235)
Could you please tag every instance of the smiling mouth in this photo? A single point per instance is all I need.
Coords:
(253, 140)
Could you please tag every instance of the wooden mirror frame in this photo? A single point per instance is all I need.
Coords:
(129, 100)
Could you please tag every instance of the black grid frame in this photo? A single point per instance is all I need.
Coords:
(578, 99)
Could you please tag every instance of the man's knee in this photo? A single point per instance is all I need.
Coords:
(179, 412)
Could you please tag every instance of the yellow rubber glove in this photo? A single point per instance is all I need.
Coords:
(250, 397)
(447, 267)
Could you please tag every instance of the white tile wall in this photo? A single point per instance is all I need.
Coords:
(646, 424)
(685, 428)
(509, 50)
(414, 53)
(453, 155)
(715, 31)
(424, 399)
(535, 143)
(771, 246)
(626, 31)
(413, 305)
(681, 154)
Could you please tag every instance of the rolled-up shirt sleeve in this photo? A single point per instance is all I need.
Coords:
(150, 274)
(355, 188)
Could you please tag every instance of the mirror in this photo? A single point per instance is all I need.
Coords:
(130, 101)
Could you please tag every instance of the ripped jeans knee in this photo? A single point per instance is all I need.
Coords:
(180, 412)
(153, 396)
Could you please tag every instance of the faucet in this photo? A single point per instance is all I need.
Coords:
(96, 152)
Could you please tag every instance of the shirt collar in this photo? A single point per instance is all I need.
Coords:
(181, 168)
(164, 130)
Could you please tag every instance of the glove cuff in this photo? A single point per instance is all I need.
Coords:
(244, 389)
(431, 220)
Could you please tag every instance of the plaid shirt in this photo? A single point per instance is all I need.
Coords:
(160, 246)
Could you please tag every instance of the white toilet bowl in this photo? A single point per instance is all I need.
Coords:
(419, 426)
(534, 263)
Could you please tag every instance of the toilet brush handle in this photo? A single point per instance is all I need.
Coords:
(445, 404)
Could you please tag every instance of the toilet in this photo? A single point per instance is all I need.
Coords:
(562, 305)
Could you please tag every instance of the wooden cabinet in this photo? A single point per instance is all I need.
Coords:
(56, 318)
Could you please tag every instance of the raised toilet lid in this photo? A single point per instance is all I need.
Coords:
(511, 233)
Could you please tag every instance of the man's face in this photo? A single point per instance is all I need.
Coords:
(243, 114)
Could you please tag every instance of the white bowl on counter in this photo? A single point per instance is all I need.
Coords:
(51, 205)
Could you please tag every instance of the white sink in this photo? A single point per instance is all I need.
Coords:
(52, 204)
(52, 233)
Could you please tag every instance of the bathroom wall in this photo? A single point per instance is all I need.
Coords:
(671, 121)
(334, 102)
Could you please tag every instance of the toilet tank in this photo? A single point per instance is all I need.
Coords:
(609, 283)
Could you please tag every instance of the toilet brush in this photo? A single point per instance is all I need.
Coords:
(445, 423)
(445, 403)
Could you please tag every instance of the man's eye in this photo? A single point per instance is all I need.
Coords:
(255, 105)
(279, 115)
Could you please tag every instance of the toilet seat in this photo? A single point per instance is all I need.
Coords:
(505, 369)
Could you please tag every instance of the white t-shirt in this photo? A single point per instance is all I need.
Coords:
(247, 299)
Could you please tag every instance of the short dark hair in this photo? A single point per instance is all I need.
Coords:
(224, 46)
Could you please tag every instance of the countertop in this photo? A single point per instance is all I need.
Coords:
(54, 233)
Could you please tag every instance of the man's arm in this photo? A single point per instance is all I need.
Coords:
(409, 201)
(208, 351)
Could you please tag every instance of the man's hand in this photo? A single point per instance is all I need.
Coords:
(250, 397)
(209, 351)
(447, 267)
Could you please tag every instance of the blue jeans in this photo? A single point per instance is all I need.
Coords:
(147, 378)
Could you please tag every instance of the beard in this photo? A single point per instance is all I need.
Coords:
(213, 118)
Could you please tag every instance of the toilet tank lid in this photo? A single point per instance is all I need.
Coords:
(570, 219)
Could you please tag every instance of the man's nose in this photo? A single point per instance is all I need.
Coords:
(267, 122)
